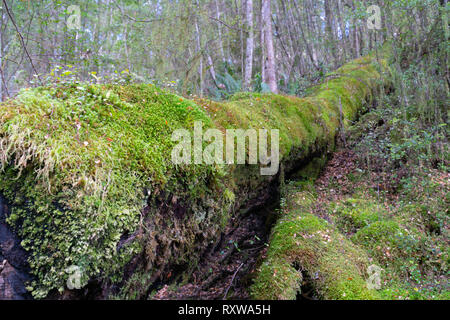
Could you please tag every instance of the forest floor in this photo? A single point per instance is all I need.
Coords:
(227, 269)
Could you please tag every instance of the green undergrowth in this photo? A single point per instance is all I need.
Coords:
(88, 173)
(303, 121)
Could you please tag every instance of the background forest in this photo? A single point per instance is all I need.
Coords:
(203, 47)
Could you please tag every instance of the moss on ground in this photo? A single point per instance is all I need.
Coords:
(88, 173)
(305, 248)
(355, 213)
(397, 239)
(324, 244)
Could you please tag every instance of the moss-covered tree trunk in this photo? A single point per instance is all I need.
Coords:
(86, 171)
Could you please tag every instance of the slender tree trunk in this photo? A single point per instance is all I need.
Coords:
(356, 43)
(97, 43)
(263, 47)
(212, 71)
(270, 72)
(199, 48)
(312, 31)
(309, 50)
(342, 28)
(249, 45)
(219, 31)
(354, 33)
(241, 10)
(329, 31)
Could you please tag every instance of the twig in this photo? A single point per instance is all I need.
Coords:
(22, 41)
(231, 282)
(226, 25)
(21, 57)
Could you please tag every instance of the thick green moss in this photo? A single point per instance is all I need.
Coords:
(80, 162)
(353, 213)
(304, 241)
(87, 155)
(400, 240)
(305, 247)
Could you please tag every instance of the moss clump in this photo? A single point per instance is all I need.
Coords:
(313, 120)
(353, 213)
(404, 238)
(87, 169)
(303, 247)
(381, 238)
(412, 260)
(88, 156)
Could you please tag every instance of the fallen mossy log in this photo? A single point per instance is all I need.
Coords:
(92, 192)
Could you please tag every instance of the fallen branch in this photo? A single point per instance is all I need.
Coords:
(232, 280)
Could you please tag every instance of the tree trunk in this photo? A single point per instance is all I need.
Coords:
(329, 31)
(212, 71)
(270, 73)
(342, 28)
(249, 45)
(241, 10)
(263, 48)
(219, 31)
(199, 48)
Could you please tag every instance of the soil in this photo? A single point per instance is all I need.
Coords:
(226, 269)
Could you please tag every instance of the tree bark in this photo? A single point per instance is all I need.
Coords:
(249, 44)
(270, 72)
(342, 28)
(212, 71)
(219, 31)
(329, 31)
(199, 48)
